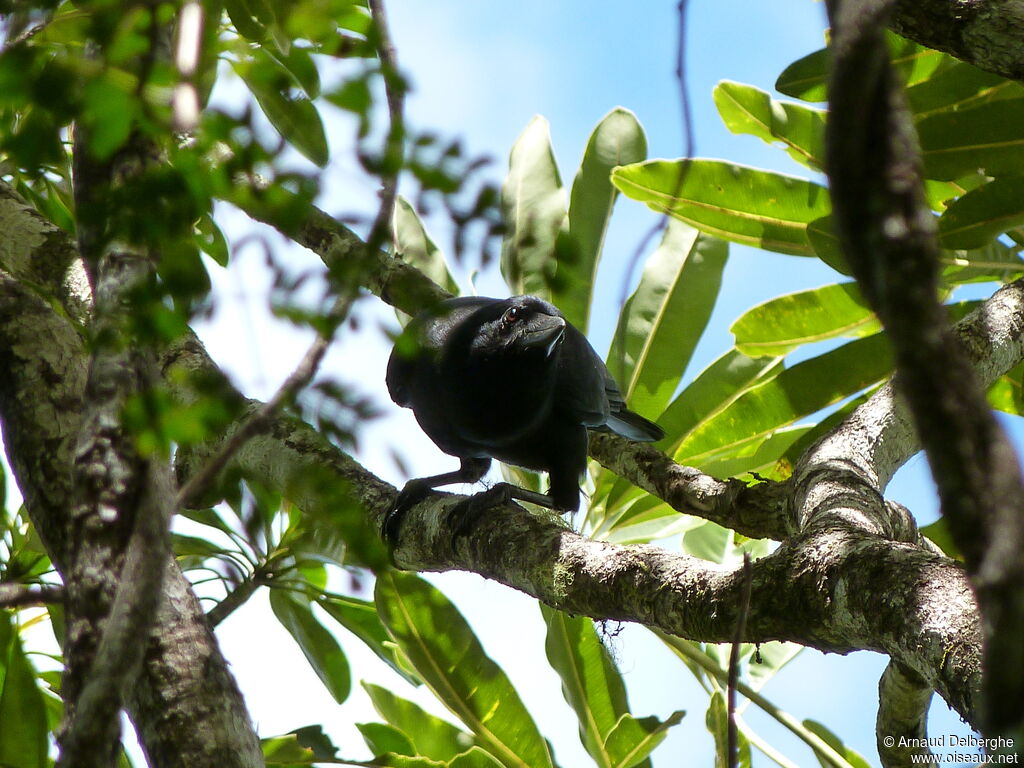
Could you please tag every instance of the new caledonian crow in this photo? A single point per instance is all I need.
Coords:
(507, 379)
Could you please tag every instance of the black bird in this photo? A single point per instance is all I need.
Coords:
(507, 379)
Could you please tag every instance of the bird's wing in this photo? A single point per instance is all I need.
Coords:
(423, 338)
(583, 379)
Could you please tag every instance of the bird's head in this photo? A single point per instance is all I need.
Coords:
(520, 325)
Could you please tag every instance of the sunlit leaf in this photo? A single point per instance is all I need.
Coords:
(634, 738)
(713, 391)
(534, 208)
(617, 140)
(959, 86)
(745, 205)
(746, 109)
(591, 684)
(665, 317)
(807, 77)
(978, 217)
(794, 393)
(784, 323)
(431, 736)
(448, 657)
(413, 245)
(985, 138)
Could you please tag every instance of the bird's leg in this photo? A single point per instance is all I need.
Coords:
(470, 471)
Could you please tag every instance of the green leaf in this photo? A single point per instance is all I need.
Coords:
(794, 393)
(666, 316)
(533, 204)
(23, 727)
(746, 109)
(447, 655)
(299, 64)
(633, 738)
(713, 391)
(938, 533)
(764, 455)
(591, 684)
(1007, 394)
(714, 543)
(109, 112)
(360, 618)
(318, 645)
(854, 758)
(769, 659)
(381, 739)
(985, 138)
(807, 77)
(995, 261)
(981, 215)
(782, 324)
(618, 139)
(294, 116)
(211, 240)
(959, 86)
(431, 736)
(717, 722)
(413, 245)
(475, 757)
(826, 244)
(745, 205)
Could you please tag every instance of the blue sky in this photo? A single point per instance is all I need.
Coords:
(481, 71)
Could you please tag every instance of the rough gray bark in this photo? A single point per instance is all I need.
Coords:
(185, 704)
(887, 231)
(985, 33)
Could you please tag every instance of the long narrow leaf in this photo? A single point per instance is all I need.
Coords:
(433, 737)
(666, 316)
(317, 644)
(986, 138)
(618, 139)
(713, 391)
(533, 203)
(746, 109)
(591, 684)
(978, 217)
(413, 244)
(782, 324)
(795, 393)
(448, 657)
(23, 728)
(360, 618)
(735, 202)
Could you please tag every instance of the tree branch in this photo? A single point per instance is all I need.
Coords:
(888, 235)
(186, 706)
(985, 34)
(901, 727)
(14, 595)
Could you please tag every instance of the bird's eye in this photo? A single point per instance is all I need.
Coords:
(512, 315)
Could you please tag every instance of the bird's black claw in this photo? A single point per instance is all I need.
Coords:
(411, 495)
(464, 515)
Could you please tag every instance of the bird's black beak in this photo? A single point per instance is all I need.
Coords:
(543, 332)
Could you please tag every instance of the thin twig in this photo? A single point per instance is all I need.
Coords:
(14, 595)
(734, 661)
(298, 379)
(690, 148)
(394, 89)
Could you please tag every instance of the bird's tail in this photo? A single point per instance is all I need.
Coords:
(634, 426)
